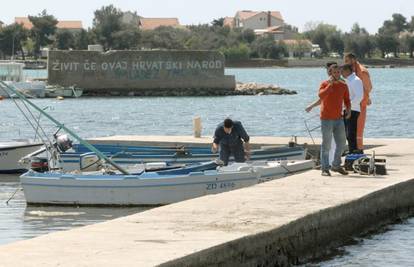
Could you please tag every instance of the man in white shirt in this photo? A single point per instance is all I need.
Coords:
(356, 94)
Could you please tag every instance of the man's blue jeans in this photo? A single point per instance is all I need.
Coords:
(335, 128)
(236, 150)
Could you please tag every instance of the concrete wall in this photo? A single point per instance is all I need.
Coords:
(139, 70)
(313, 236)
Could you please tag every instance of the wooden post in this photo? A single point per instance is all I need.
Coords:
(197, 127)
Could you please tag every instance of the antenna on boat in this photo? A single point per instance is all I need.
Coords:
(62, 126)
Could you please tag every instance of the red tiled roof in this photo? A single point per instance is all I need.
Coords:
(246, 14)
(152, 23)
(277, 14)
(273, 29)
(228, 21)
(24, 21)
(69, 24)
(63, 24)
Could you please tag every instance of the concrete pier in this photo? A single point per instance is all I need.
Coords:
(281, 222)
(150, 140)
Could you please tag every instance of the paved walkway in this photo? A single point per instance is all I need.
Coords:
(167, 233)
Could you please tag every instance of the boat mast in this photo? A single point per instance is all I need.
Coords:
(57, 123)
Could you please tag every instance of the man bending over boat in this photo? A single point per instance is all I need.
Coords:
(228, 140)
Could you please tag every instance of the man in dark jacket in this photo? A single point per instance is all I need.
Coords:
(229, 137)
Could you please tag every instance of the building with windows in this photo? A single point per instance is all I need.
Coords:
(255, 20)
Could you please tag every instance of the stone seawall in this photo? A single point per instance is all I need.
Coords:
(120, 71)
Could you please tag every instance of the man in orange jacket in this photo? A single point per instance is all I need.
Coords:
(333, 94)
(363, 74)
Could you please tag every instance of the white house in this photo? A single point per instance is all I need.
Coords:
(261, 22)
(257, 20)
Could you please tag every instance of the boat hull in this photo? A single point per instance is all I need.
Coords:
(132, 191)
(147, 189)
(12, 152)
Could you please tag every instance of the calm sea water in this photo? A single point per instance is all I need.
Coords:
(17, 221)
(391, 115)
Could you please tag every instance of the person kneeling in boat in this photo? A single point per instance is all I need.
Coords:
(228, 140)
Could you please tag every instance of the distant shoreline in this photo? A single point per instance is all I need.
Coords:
(314, 63)
(277, 63)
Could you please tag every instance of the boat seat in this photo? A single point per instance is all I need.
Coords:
(234, 167)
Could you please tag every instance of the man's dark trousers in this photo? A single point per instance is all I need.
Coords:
(236, 150)
(351, 131)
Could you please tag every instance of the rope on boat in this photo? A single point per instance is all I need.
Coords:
(10, 198)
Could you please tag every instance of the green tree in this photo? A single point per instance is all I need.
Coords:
(266, 47)
(29, 47)
(387, 44)
(127, 38)
(407, 42)
(248, 35)
(106, 22)
(12, 38)
(240, 52)
(218, 22)
(64, 40)
(399, 22)
(335, 42)
(327, 36)
(44, 27)
(388, 34)
(165, 38)
(411, 24)
(359, 42)
(212, 37)
(81, 40)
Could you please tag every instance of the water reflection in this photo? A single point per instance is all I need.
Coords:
(19, 221)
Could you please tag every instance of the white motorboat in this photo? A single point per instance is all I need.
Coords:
(149, 188)
(12, 74)
(119, 186)
(60, 91)
(12, 152)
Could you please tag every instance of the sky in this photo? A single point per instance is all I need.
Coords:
(369, 13)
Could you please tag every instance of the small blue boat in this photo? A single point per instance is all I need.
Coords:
(90, 161)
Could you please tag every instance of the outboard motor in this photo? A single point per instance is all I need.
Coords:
(63, 143)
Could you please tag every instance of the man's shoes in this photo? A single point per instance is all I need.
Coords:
(339, 170)
(326, 173)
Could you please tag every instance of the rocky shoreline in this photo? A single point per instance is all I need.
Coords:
(261, 89)
(241, 89)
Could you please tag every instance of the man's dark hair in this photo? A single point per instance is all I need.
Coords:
(330, 63)
(350, 55)
(228, 123)
(347, 67)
